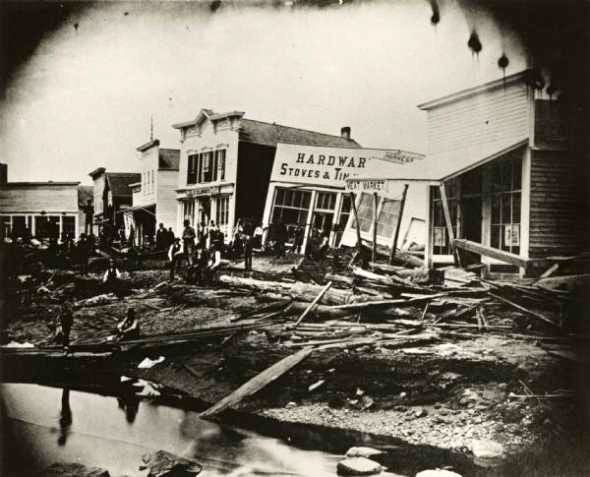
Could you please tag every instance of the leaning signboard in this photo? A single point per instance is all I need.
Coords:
(331, 167)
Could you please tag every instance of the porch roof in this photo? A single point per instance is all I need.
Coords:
(446, 165)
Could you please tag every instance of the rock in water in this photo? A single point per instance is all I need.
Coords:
(73, 470)
(165, 464)
(358, 466)
(487, 453)
(366, 452)
(486, 448)
(437, 473)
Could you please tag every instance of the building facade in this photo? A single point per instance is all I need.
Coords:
(154, 196)
(501, 177)
(307, 190)
(225, 166)
(40, 209)
(112, 195)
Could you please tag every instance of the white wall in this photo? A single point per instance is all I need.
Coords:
(488, 116)
(35, 198)
(166, 198)
(148, 164)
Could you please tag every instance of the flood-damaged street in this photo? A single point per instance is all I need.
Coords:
(429, 375)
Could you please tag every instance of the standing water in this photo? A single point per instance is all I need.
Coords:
(43, 425)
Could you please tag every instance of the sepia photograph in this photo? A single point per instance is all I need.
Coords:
(295, 238)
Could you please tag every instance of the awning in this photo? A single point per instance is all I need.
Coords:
(138, 207)
(446, 165)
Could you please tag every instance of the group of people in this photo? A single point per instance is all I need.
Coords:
(164, 237)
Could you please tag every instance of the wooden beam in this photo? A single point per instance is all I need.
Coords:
(257, 382)
(539, 316)
(312, 304)
(359, 240)
(448, 223)
(399, 223)
(486, 251)
(375, 205)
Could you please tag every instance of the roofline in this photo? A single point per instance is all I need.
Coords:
(121, 173)
(211, 117)
(465, 93)
(305, 130)
(423, 156)
(135, 184)
(97, 171)
(148, 145)
(41, 183)
(172, 169)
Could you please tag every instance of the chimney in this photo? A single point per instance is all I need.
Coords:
(3, 174)
(345, 132)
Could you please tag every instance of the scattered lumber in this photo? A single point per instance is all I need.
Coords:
(532, 313)
(565, 282)
(257, 383)
(298, 291)
(407, 260)
(390, 280)
(312, 304)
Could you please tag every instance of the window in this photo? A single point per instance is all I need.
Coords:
(440, 239)
(5, 225)
(69, 226)
(206, 175)
(220, 155)
(191, 176)
(325, 201)
(365, 212)
(506, 197)
(46, 226)
(222, 215)
(19, 225)
(388, 217)
(189, 210)
(345, 207)
(291, 206)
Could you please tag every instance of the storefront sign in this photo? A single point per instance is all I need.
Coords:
(367, 185)
(512, 235)
(332, 166)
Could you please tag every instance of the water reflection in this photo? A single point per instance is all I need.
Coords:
(65, 417)
(102, 435)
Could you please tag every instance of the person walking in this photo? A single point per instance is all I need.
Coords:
(188, 239)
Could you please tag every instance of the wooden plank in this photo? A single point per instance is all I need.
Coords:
(448, 223)
(312, 304)
(486, 251)
(359, 240)
(539, 316)
(399, 223)
(375, 206)
(258, 382)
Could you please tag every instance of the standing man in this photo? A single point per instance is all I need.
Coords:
(161, 237)
(188, 239)
(174, 255)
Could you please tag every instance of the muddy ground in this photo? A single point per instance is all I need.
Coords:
(445, 391)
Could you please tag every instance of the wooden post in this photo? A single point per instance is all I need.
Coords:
(359, 241)
(313, 303)
(399, 223)
(447, 213)
(375, 205)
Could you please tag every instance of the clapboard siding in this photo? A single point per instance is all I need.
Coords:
(558, 219)
(499, 114)
(37, 198)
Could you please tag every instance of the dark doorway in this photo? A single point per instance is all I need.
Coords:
(471, 226)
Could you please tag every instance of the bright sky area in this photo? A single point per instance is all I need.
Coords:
(85, 97)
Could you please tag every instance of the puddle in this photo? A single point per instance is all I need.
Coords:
(43, 425)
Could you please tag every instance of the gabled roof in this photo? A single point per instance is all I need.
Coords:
(119, 182)
(97, 172)
(270, 134)
(85, 194)
(168, 159)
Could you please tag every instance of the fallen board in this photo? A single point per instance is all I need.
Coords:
(258, 382)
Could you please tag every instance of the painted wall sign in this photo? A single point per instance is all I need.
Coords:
(332, 166)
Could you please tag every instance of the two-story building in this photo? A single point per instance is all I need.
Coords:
(154, 196)
(225, 165)
(41, 209)
(504, 186)
(111, 195)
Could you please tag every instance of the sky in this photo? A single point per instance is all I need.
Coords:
(85, 97)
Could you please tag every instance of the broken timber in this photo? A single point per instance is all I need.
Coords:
(313, 303)
(527, 311)
(257, 382)
(480, 249)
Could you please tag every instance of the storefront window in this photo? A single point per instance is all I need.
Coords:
(222, 214)
(388, 217)
(365, 212)
(5, 226)
(189, 210)
(69, 226)
(291, 206)
(506, 197)
(345, 207)
(323, 215)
